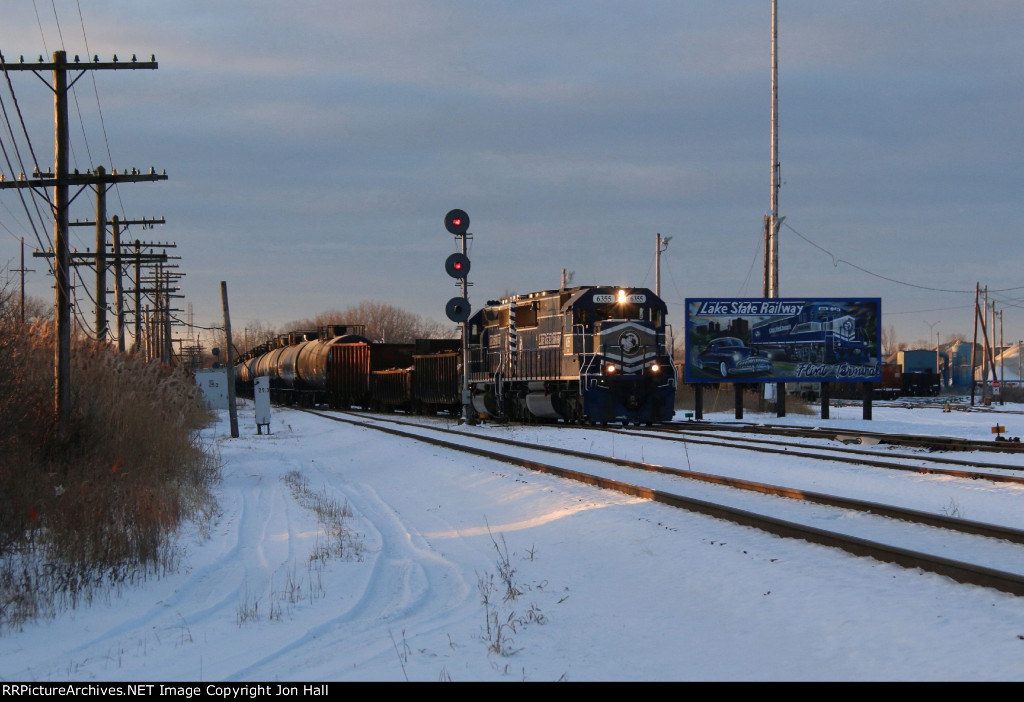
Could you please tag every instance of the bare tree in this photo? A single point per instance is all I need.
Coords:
(382, 322)
(890, 345)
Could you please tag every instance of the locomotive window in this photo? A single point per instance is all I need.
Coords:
(619, 311)
(526, 316)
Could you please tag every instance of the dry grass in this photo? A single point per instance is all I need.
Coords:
(100, 506)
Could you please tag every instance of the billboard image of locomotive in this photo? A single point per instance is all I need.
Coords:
(585, 354)
(820, 332)
(783, 340)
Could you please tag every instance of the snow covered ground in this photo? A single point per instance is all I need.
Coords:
(604, 586)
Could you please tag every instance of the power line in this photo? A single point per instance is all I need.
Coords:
(836, 261)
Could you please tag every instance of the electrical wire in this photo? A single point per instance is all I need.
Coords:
(836, 261)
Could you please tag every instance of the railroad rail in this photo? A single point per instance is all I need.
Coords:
(932, 443)
(960, 571)
(840, 455)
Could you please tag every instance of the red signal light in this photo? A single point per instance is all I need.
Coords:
(457, 265)
(457, 222)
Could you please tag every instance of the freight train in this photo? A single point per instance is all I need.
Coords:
(587, 354)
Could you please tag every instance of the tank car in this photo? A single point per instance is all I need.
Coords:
(589, 354)
(335, 365)
(296, 363)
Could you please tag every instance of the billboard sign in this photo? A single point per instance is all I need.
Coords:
(761, 340)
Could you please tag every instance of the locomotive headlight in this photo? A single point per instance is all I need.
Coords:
(610, 368)
(655, 368)
(621, 296)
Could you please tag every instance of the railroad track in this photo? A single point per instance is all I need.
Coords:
(932, 443)
(844, 454)
(748, 503)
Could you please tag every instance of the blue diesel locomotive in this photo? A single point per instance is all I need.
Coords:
(587, 354)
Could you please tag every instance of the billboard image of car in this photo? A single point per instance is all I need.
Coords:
(730, 356)
(783, 340)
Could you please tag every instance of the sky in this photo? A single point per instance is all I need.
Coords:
(313, 148)
(611, 587)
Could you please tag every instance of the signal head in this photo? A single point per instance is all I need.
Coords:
(457, 222)
(457, 309)
(457, 265)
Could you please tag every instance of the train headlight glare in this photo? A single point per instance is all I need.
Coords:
(610, 368)
(655, 368)
(622, 296)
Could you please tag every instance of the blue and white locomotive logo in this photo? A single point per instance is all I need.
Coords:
(629, 342)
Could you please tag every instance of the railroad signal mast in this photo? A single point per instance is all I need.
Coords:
(458, 308)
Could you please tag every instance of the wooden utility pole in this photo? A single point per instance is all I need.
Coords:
(229, 362)
(91, 259)
(61, 180)
(772, 221)
(23, 271)
(101, 262)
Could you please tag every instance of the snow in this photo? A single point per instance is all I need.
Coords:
(610, 587)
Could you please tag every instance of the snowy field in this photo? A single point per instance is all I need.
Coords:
(604, 586)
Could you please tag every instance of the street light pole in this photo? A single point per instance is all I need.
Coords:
(662, 245)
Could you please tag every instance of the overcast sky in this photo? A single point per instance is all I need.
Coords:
(313, 148)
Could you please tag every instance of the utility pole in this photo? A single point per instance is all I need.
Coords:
(974, 341)
(23, 271)
(1002, 361)
(61, 180)
(100, 256)
(139, 259)
(773, 221)
(232, 411)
